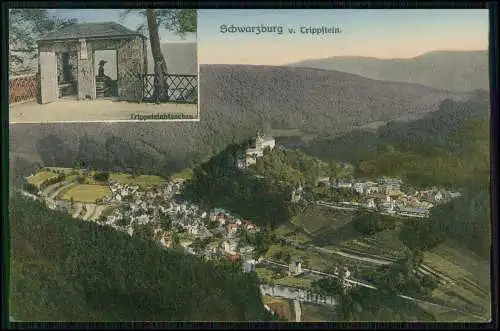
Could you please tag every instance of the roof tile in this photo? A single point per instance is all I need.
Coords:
(89, 30)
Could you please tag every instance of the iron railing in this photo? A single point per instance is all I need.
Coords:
(23, 88)
(180, 89)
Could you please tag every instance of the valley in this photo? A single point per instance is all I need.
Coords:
(315, 215)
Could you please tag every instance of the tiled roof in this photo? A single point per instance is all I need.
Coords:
(90, 30)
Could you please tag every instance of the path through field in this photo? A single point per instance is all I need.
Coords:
(65, 186)
(90, 209)
(97, 212)
(78, 209)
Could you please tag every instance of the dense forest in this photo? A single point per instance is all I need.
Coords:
(220, 183)
(306, 101)
(71, 270)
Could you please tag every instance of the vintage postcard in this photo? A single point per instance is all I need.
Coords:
(340, 171)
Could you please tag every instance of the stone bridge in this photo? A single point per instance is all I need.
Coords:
(296, 294)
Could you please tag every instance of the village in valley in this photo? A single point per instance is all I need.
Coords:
(154, 208)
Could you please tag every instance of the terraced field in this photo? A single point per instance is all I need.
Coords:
(141, 180)
(471, 275)
(86, 193)
(41, 177)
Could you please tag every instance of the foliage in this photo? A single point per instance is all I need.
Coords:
(421, 234)
(30, 188)
(220, 183)
(370, 223)
(66, 269)
(53, 180)
(288, 166)
(466, 219)
(25, 27)
(180, 21)
(101, 176)
(402, 277)
(143, 231)
(363, 304)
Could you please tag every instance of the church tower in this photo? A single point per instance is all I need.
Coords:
(259, 141)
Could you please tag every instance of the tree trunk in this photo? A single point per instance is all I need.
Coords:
(160, 89)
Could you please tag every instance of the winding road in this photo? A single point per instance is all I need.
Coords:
(54, 192)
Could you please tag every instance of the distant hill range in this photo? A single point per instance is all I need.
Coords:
(181, 58)
(236, 101)
(457, 71)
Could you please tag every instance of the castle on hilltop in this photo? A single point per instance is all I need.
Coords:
(252, 154)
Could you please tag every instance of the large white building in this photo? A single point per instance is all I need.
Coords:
(261, 143)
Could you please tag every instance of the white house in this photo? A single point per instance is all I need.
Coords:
(297, 194)
(370, 203)
(229, 247)
(231, 229)
(193, 230)
(371, 190)
(359, 187)
(347, 273)
(248, 265)
(343, 184)
(295, 268)
(143, 219)
(413, 211)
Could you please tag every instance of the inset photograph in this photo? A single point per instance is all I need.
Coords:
(90, 65)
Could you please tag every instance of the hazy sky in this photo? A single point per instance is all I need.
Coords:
(376, 33)
(103, 15)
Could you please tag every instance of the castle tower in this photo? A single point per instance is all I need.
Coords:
(259, 141)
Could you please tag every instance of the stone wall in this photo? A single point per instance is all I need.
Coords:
(131, 66)
(86, 75)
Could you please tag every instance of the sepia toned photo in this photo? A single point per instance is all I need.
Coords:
(339, 172)
(91, 65)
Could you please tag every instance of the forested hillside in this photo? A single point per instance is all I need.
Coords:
(457, 135)
(64, 269)
(236, 101)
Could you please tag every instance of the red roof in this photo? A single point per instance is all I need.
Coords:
(233, 257)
